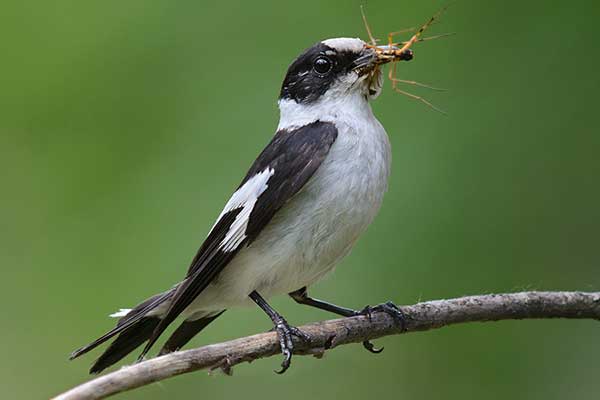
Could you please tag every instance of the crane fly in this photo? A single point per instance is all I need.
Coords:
(401, 51)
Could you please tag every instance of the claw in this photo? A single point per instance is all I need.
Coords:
(285, 333)
(366, 312)
(395, 312)
(300, 334)
(371, 347)
(285, 364)
(390, 309)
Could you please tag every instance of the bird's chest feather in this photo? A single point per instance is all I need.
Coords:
(319, 226)
(347, 191)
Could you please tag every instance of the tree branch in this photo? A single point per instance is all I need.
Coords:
(329, 334)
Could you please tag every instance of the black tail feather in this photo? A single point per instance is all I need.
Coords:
(127, 322)
(125, 343)
(186, 331)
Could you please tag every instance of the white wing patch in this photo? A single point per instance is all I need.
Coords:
(245, 197)
(121, 313)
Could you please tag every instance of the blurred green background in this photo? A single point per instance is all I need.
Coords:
(126, 124)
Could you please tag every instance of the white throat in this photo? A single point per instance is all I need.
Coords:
(332, 107)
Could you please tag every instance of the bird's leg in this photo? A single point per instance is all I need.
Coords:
(284, 331)
(390, 309)
(301, 297)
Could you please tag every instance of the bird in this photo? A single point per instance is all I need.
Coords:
(304, 202)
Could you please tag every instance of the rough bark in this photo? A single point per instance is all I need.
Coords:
(327, 335)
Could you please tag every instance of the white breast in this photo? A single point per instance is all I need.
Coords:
(319, 226)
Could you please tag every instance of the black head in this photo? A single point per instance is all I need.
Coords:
(328, 65)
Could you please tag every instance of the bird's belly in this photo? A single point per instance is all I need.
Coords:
(311, 233)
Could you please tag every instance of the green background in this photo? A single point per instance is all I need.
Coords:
(125, 125)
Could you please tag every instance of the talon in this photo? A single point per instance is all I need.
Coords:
(285, 333)
(371, 348)
(283, 329)
(305, 337)
(393, 311)
(366, 312)
(390, 309)
(285, 364)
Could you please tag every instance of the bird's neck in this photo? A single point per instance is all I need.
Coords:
(343, 108)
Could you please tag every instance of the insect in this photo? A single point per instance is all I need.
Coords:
(401, 51)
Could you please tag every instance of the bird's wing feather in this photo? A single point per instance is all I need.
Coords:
(280, 171)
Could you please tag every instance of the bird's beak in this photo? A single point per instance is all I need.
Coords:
(374, 56)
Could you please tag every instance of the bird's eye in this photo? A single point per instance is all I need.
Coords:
(322, 65)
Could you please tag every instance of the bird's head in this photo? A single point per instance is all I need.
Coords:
(336, 68)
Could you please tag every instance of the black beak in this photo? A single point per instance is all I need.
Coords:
(367, 61)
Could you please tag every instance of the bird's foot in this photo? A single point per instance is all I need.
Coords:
(285, 332)
(390, 309)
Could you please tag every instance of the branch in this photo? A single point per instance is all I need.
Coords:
(329, 334)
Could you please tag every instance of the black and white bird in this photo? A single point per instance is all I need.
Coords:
(299, 210)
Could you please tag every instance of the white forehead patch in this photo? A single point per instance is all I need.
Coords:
(345, 44)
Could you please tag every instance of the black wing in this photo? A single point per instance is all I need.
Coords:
(279, 172)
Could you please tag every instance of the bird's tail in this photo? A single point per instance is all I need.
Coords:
(133, 328)
(137, 325)
(125, 343)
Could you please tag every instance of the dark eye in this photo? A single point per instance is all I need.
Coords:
(322, 65)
